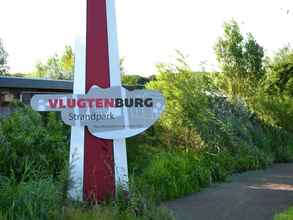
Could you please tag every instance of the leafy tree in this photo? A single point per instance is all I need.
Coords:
(67, 61)
(57, 67)
(274, 102)
(3, 60)
(62, 68)
(279, 79)
(240, 58)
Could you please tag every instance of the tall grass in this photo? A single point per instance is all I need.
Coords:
(32, 200)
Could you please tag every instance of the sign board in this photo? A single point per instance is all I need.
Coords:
(101, 112)
(111, 113)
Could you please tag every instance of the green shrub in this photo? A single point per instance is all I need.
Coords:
(275, 110)
(174, 174)
(251, 158)
(171, 175)
(32, 145)
(280, 143)
(186, 104)
(221, 164)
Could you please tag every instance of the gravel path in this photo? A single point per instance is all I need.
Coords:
(254, 195)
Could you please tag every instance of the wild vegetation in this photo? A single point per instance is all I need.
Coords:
(214, 124)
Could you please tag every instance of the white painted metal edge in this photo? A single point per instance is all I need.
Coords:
(119, 146)
(77, 139)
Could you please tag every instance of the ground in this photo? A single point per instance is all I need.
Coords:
(254, 195)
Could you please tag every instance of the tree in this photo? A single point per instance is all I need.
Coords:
(57, 67)
(3, 60)
(240, 58)
(279, 79)
(67, 62)
(61, 67)
(273, 103)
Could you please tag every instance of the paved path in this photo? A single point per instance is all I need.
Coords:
(254, 195)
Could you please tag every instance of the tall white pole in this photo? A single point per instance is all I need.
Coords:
(120, 152)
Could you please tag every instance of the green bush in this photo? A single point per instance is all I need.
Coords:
(171, 175)
(274, 110)
(186, 104)
(174, 174)
(251, 158)
(280, 143)
(32, 145)
(221, 164)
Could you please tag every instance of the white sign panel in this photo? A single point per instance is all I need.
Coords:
(112, 113)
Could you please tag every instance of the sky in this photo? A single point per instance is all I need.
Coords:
(149, 31)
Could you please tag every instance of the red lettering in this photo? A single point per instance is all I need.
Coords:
(61, 104)
(53, 103)
(109, 103)
(91, 102)
(99, 103)
(71, 103)
(81, 103)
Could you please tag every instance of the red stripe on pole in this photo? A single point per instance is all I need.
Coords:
(99, 176)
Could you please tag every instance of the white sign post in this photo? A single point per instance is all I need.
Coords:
(101, 112)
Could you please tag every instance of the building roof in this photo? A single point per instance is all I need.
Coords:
(43, 84)
(35, 84)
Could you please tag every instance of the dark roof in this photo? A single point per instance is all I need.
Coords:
(42, 84)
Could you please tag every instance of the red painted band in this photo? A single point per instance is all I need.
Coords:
(99, 176)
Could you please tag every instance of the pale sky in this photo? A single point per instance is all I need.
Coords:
(149, 31)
